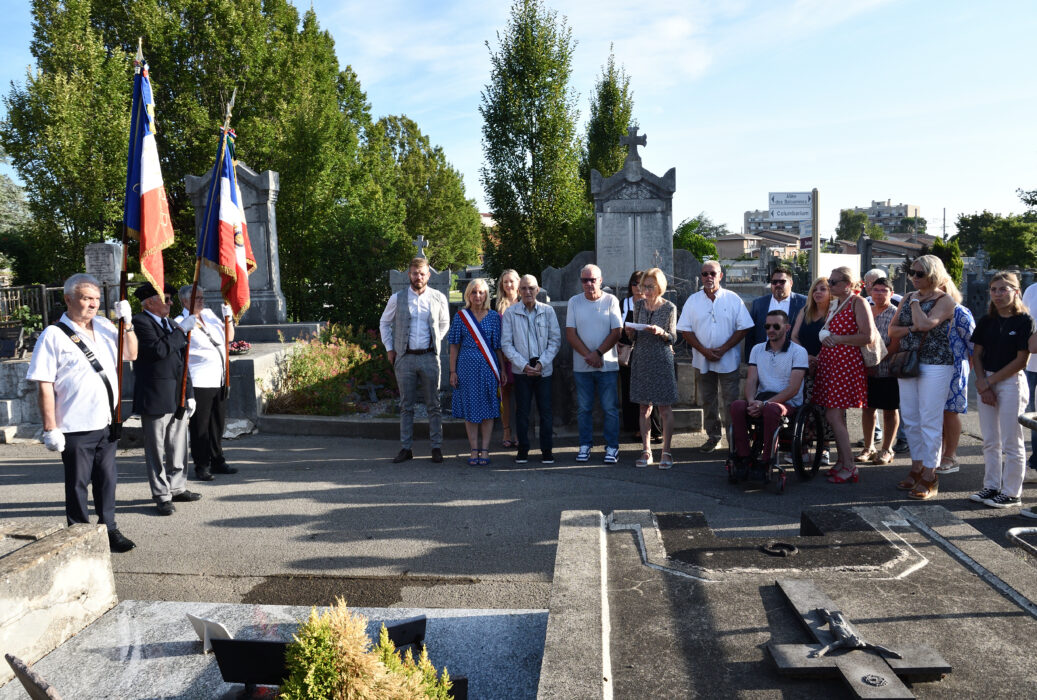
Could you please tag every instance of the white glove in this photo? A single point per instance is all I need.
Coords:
(123, 311)
(54, 440)
(187, 323)
(191, 405)
(227, 311)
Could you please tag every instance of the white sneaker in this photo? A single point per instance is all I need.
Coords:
(826, 458)
(611, 455)
(1029, 512)
(1030, 477)
(584, 454)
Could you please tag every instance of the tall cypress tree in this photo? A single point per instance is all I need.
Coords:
(531, 175)
(611, 113)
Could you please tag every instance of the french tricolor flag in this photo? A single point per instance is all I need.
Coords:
(223, 239)
(146, 210)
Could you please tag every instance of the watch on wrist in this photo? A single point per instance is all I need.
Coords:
(600, 353)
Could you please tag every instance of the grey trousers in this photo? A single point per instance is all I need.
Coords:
(719, 391)
(165, 453)
(412, 370)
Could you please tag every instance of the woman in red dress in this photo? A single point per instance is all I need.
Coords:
(841, 380)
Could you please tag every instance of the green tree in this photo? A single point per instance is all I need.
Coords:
(950, 254)
(687, 236)
(65, 132)
(851, 224)
(911, 224)
(1029, 198)
(1011, 242)
(875, 232)
(970, 230)
(611, 114)
(531, 174)
(433, 196)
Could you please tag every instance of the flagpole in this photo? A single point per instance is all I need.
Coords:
(116, 430)
(198, 266)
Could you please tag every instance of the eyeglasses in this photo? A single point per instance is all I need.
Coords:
(588, 280)
(709, 273)
(772, 326)
(918, 274)
(779, 281)
(1001, 290)
(833, 282)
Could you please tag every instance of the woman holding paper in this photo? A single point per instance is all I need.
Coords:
(475, 368)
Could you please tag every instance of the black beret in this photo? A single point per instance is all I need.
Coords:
(145, 291)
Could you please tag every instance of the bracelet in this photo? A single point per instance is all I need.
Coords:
(600, 353)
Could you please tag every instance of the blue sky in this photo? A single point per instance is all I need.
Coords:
(921, 102)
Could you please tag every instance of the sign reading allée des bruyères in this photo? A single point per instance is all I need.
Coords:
(790, 206)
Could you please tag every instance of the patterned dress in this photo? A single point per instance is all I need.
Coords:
(960, 337)
(841, 380)
(652, 378)
(475, 398)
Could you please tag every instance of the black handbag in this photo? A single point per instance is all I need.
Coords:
(903, 364)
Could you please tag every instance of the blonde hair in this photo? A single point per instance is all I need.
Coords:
(951, 289)
(419, 263)
(658, 275)
(502, 301)
(477, 282)
(1012, 281)
(850, 275)
(933, 268)
(813, 310)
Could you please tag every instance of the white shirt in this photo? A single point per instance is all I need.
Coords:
(420, 306)
(205, 360)
(1030, 299)
(782, 305)
(80, 398)
(773, 369)
(594, 321)
(160, 320)
(713, 322)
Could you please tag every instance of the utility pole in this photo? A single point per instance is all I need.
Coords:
(815, 238)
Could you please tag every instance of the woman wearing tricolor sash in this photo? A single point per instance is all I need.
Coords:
(475, 368)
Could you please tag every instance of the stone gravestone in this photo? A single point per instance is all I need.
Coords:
(440, 281)
(633, 218)
(259, 195)
(104, 261)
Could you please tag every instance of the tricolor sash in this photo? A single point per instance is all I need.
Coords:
(480, 342)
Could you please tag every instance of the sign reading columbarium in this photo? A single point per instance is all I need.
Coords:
(790, 206)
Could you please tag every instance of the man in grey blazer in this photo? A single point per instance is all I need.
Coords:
(413, 326)
(781, 298)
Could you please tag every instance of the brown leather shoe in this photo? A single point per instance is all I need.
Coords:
(437, 455)
(404, 455)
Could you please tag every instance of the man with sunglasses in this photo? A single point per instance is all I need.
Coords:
(773, 386)
(781, 298)
(713, 322)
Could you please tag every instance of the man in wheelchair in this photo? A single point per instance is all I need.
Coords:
(773, 387)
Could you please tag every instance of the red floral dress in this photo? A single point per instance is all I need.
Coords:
(841, 379)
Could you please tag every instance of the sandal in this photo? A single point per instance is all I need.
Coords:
(483, 461)
(925, 490)
(867, 455)
(666, 461)
(844, 476)
(644, 460)
(884, 457)
(913, 477)
(474, 461)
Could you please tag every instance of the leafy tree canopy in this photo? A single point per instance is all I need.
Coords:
(851, 225)
(950, 254)
(687, 236)
(611, 114)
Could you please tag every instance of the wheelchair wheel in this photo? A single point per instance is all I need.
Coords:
(808, 441)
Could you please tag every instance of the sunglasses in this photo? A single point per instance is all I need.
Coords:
(709, 273)
(918, 274)
(772, 326)
(588, 280)
(779, 281)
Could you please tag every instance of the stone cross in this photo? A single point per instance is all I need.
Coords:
(421, 244)
(372, 394)
(869, 674)
(632, 141)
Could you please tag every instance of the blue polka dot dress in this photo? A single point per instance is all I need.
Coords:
(475, 398)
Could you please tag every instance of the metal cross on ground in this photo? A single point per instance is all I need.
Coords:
(870, 670)
(371, 391)
(421, 244)
(632, 141)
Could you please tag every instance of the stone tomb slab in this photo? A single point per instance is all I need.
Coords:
(672, 635)
(150, 650)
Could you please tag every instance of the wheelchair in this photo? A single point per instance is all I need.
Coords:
(800, 436)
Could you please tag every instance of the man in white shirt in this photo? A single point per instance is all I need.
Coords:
(592, 326)
(713, 322)
(77, 401)
(207, 366)
(413, 326)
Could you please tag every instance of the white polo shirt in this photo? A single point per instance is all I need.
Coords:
(773, 369)
(713, 321)
(80, 398)
(205, 360)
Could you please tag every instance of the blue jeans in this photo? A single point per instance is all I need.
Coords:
(526, 389)
(607, 386)
(1031, 381)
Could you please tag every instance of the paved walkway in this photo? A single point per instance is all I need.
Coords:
(309, 518)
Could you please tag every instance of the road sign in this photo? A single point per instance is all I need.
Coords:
(790, 206)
